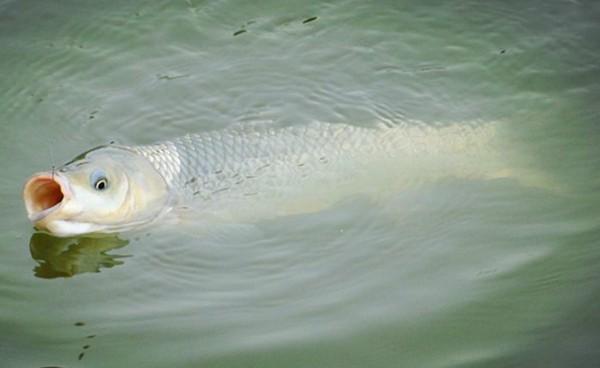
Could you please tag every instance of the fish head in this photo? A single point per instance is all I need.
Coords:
(108, 189)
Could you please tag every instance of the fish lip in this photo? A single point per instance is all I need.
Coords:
(36, 202)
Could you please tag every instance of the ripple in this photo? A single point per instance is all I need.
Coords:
(383, 262)
(374, 280)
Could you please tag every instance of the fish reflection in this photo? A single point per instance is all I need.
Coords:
(67, 257)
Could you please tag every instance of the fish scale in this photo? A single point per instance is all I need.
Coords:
(259, 158)
(217, 160)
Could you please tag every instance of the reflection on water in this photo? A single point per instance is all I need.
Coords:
(67, 257)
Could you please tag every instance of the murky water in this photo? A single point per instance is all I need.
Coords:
(455, 273)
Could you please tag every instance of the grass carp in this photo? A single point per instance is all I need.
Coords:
(251, 171)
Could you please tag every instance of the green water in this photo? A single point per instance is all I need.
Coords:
(458, 273)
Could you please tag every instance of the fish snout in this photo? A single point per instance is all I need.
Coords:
(43, 194)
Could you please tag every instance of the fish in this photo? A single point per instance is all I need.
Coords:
(250, 171)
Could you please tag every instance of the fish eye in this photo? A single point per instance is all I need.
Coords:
(101, 184)
(98, 180)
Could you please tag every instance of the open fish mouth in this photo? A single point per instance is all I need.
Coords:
(43, 194)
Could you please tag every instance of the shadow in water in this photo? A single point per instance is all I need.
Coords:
(67, 257)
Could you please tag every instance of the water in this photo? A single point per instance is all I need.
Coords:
(457, 273)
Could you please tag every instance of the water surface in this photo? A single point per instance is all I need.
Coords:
(456, 273)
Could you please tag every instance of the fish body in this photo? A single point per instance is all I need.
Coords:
(249, 171)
